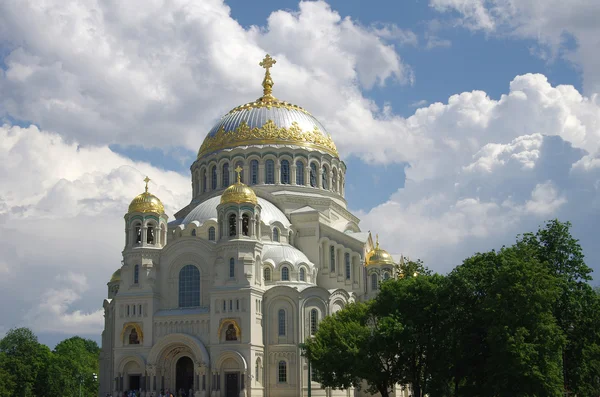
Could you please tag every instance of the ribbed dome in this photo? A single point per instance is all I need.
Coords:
(116, 276)
(239, 193)
(378, 256)
(267, 121)
(146, 202)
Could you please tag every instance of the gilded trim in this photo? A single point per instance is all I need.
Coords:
(268, 134)
(138, 329)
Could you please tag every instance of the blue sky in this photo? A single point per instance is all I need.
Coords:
(462, 124)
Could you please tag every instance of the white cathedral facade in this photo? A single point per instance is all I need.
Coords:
(217, 301)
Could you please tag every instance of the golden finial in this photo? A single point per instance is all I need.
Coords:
(146, 179)
(377, 240)
(238, 171)
(267, 83)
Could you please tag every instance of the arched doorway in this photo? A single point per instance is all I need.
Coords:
(184, 376)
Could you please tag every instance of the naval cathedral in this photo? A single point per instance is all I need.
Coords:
(216, 301)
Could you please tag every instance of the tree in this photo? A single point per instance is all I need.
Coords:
(74, 360)
(26, 360)
(561, 253)
(7, 380)
(508, 343)
(352, 345)
(414, 302)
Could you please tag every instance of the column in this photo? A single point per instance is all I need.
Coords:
(319, 177)
(277, 172)
(261, 172)
(293, 173)
(307, 176)
(246, 174)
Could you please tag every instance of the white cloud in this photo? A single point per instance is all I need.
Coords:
(103, 72)
(566, 28)
(61, 213)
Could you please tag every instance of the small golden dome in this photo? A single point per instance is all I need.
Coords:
(116, 277)
(239, 193)
(378, 256)
(146, 202)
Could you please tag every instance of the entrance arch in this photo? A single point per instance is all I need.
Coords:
(184, 376)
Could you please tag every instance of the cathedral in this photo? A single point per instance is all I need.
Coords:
(218, 301)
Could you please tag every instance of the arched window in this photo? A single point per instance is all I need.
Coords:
(204, 184)
(232, 225)
(136, 274)
(285, 274)
(133, 308)
(138, 234)
(267, 274)
(269, 172)
(231, 268)
(373, 282)
(302, 274)
(285, 172)
(299, 173)
(281, 322)
(189, 286)
(347, 265)
(332, 258)
(150, 235)
(254, 172)
(213, 177)
(282, 372)
(225, 174)
(245, 225)
(211, 233)
(313, 174)
(314, 319)
(128, 309)
(241, 165)
(334, 181)
(324, 178)
(194, 232)
(275, 234)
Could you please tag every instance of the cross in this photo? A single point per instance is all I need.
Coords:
(268, 62)
(267, 83)
(238, 171)
(146, 179)
(377, 239)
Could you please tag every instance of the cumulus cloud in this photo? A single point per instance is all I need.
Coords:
(61, 217)
(562, 28)
(105, 72)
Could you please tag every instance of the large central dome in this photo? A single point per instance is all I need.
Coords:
(267, 121)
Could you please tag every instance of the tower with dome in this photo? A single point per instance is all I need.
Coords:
(216, 301)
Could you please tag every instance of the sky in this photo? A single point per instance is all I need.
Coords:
(463, 123)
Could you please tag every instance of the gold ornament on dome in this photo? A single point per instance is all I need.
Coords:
(239, 193)
(378, 256)
(116, 276)
(146, 202)
(268, 134)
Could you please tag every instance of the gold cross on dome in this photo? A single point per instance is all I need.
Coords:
(267, 83)
(377, 240)
(268, 62)
(238, 171)
(146, 179)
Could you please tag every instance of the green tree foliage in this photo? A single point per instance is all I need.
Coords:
(28, 368)
(352, 345)
(26, 360)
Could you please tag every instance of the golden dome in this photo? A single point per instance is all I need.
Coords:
(116, 277)
(146, 202)
(268, 121)
(378, 256)
(239, 193)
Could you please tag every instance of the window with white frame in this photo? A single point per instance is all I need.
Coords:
(302, 274)
(136, 274)
(347, 265)
(231, 268)
(211, 233)
(282, 372)
(285, 172)
(267, 273)
(314, 320)
(299, 173)
(269, 172)
(332, 258)
(281, 326)
(373, 282)
(285, 274)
